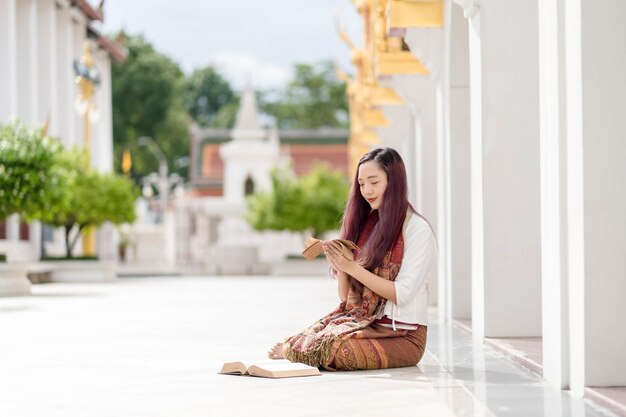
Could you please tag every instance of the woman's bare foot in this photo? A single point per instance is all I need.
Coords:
(276, 352)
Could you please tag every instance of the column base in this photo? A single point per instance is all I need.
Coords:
(13, 280)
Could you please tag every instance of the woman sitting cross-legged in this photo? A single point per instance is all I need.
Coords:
(381, 320)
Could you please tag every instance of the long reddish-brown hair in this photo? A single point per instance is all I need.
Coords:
(391, 213)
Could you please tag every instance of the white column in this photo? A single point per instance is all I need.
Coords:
(554, 242)
(476, 175)
(431, 47)
(419, 93)
(47, 58)
(8, 69)
(102, 145)
(103, 127)
(442, 100)
(575, 199)
(8, 84)
(603, 205)
(27, 63)
(13, 228)
(582, 175)
(460, 184)
(78, 23)
(28, 86)
(65, 77)
(506, 259)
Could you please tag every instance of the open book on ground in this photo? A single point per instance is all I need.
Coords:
(269, 369)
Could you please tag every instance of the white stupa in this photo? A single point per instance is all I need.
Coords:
(250, 155)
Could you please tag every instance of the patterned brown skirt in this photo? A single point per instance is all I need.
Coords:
(378, 347)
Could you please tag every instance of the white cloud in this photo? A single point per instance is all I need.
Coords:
(242, 68)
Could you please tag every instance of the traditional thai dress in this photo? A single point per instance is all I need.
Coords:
(357, 334)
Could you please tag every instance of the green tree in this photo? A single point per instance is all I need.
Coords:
(313, 202)
(314, 98)
(91, 199)
(30, 181)
(324, 195)
(147, 91)
(206, 92)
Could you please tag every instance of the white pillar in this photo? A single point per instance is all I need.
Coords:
(47, 58)
(575, 199)
(8, 84)
(442, 100)
(27, 63)
(476, 174)
(506, 276)
(460, 184)
(8, 69)
(553, 197)
(431, 47)
(78, 24)
(13, 228)
(28, 85)
(102, 144)
(65, 76)
(603, 150)
(582, 175)
(419, 93)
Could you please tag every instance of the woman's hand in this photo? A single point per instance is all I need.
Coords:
(345, 267)
(334, 254)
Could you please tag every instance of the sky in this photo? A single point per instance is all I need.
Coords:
(247, 40)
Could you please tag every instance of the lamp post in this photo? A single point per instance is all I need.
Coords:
(87, 79)
(163, 181)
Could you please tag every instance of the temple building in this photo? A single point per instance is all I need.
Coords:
(509, 115)
(40, 40)
(228, 165)
(301, 147)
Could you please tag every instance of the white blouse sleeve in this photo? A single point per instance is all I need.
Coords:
(420, 250)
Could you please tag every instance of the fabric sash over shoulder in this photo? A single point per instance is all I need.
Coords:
(317, 345)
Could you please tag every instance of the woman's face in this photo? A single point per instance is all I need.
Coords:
(372, 182)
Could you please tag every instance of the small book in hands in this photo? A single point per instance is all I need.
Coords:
(270, 369)
(314, 248)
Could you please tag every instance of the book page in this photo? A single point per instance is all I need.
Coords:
(234, 368)
(282, 369)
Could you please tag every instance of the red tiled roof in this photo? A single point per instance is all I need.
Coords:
(116, 51)
(93, 14)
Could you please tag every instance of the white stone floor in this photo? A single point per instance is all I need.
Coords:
(153, 347)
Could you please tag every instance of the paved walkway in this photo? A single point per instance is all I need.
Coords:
(153, 346)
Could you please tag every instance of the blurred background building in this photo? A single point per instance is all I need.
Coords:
(42, 43)
(226, 167)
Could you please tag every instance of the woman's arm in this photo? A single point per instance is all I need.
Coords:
(343, 280)
(343, 286)
(380, 286)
